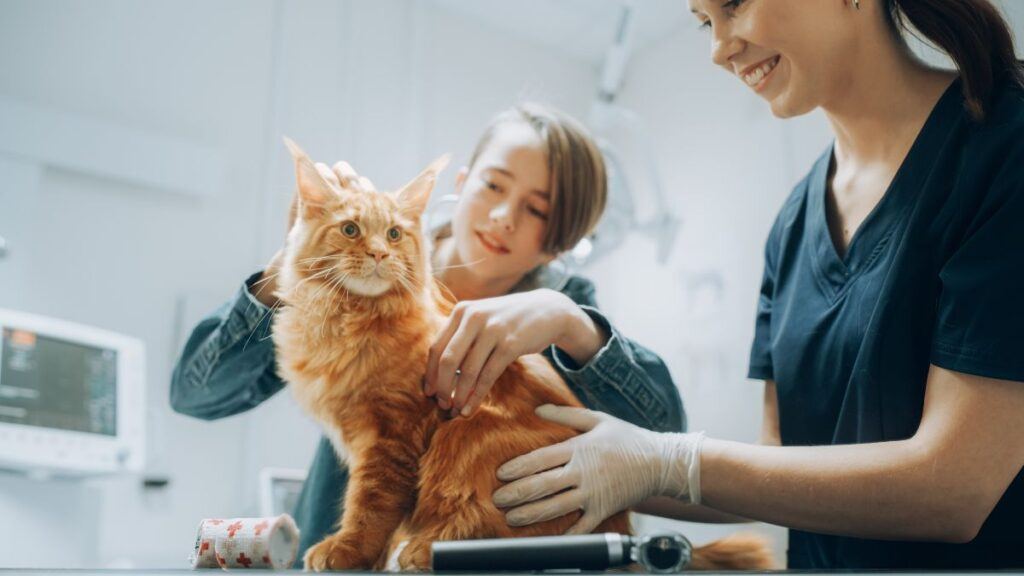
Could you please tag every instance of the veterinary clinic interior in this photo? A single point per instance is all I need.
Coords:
(493, 286)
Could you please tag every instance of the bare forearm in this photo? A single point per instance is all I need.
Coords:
(891, 490)
(677, 510)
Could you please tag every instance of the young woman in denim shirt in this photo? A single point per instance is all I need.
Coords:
(534, 187)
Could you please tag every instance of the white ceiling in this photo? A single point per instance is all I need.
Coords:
(580, 28)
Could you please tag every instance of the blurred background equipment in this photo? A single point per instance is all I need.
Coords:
(636, 198)
(71, 398)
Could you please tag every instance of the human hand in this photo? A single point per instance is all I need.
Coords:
(612, 466)
(343, 176)
(482, 337)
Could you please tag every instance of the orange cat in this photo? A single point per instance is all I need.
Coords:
(361, 311)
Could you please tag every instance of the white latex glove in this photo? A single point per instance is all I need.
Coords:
(613, 466)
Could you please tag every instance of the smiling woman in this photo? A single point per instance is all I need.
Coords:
(888, 324)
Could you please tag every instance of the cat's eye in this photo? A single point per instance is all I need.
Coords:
(350, 229)
(394, 234)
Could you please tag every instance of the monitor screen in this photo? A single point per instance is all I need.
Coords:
(54, 383)
(285, 495)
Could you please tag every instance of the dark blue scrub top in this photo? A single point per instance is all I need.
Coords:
(934, 275)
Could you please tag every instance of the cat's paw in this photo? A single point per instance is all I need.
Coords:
(415, 556)
(333, 554)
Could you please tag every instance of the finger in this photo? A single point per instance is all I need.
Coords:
(576, 418)
(586, 524)
(553, 507)
(535, 487)
(470, 369)
(347, 175)
(539, 460)
(451, 358)
(439, 345)
(490, 373)
(328, 176)
(366, 185)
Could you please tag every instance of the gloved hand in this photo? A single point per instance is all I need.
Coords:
(611, 467)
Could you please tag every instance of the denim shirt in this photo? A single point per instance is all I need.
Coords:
(228, 367)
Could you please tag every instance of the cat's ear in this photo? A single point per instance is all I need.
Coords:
(413, 197)
(314, 191)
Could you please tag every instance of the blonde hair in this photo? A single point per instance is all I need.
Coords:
(579, 181)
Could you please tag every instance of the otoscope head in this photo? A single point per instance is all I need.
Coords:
(662, 552)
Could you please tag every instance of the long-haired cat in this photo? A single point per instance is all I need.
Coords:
(361, 309)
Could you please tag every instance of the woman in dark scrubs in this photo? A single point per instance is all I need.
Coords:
(890, 326)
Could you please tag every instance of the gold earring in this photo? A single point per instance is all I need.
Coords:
(856, 4)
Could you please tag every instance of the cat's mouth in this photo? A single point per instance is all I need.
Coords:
(372, 284)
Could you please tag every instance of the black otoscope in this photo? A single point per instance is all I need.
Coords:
(657, 552)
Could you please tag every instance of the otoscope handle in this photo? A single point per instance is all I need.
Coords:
(584, 552)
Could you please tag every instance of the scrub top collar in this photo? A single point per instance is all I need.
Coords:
(835, 272)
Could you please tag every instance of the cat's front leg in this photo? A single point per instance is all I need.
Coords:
(332, 553)
(415, 556)
(381, 493)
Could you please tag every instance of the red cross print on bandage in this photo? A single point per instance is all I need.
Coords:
(261, 527)
(246, 543)
(233, 528)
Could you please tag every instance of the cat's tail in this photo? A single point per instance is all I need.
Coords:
(735, 552)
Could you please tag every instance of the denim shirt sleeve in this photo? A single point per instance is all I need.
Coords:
(227, 365)
(623, 379)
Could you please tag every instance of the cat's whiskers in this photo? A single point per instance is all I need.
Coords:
(404, 283)
(337, 283)
(463, 265)
(319, 275)
(278, 303)
(327, 284)
(269, 311)
(408, 281)
(265, 279)
(316, 259)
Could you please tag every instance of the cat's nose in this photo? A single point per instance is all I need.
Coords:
(378, 256)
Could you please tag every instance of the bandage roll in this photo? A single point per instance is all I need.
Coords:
(246, 543)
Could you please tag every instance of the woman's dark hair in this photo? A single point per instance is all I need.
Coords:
(973, 33)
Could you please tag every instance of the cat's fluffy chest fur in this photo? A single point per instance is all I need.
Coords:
(350, 359)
